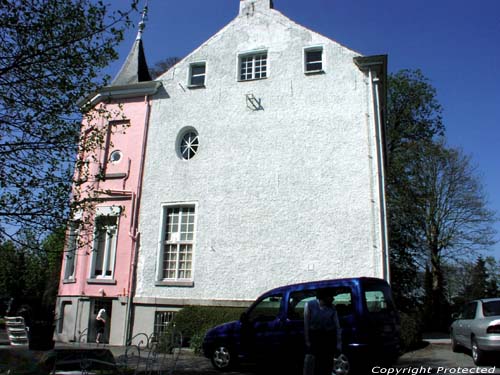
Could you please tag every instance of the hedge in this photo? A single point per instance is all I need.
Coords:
(194, 321)
(411, 331)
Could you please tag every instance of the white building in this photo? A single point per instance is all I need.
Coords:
(266, 144)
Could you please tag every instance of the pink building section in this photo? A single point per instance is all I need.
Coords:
(120, 188)
(103, 235)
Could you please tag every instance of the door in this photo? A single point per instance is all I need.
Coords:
(96, 306)
(263, 328)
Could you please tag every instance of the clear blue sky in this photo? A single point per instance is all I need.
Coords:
(456, 43)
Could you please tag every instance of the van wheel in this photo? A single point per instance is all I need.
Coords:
(222, 358)
(341, 365)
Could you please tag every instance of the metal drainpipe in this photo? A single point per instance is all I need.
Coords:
(374, 83)
(76, 318)
(129, 316)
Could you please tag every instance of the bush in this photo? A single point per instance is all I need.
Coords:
(411, 331)
(194, 321)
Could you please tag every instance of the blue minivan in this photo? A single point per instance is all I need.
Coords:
(272, 329)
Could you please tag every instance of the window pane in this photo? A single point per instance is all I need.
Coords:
(312, 56)
(266, 310)
(197, 70)
(314, 66)
(198, 80)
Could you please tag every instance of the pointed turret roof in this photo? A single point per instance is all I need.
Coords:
(135, 68)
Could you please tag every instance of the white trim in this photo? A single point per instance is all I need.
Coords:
(121, 92)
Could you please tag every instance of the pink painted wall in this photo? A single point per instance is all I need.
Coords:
(129, 140)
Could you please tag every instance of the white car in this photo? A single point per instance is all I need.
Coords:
(478, 328)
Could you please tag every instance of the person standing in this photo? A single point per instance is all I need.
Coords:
(100, 324)
(322, 333)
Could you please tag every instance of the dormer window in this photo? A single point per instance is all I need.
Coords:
(253, 66)
(313, 60)
(197, 74)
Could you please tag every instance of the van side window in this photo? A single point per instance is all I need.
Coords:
(266, 310)
(375, 301)
(342, 302)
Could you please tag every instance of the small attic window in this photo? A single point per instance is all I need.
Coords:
(313, 60)
(197, 74)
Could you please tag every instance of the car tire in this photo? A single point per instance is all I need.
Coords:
(341, 365)
(478, 356)
(222, 357)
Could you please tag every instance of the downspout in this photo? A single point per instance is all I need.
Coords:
(129, 316)
(76, 318)
(374, 83)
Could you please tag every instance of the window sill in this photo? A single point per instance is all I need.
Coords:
(69, 281)
(313, 72)
(101, 281)
(184, 283)
(194, 87)
(252, 79)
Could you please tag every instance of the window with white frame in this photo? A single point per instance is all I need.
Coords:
(197, 73)
(106, 232)
(313, 60)
(253, 66)
(71, 252)
(178, 241)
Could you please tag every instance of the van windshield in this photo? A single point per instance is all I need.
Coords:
(378, 298)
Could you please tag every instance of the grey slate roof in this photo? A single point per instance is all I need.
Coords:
(134, 69)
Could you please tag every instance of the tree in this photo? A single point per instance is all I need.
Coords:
(413, 115)
(162, 66)
(437, 209)
(30, 274)
(479, 280)
(450, 211)
(51, 54)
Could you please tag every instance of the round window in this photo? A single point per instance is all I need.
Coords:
(115, 156)
(188, 145)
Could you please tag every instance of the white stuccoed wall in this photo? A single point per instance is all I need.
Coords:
(284, 194)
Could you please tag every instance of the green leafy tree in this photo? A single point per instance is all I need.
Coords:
(493, 283)
(413, 115)
(30, 274)
(479, 280)
(51, 55)
(10, 270)
(437, 208)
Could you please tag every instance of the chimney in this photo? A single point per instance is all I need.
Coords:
(249, 7)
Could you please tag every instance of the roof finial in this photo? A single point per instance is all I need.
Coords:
(142, 24)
